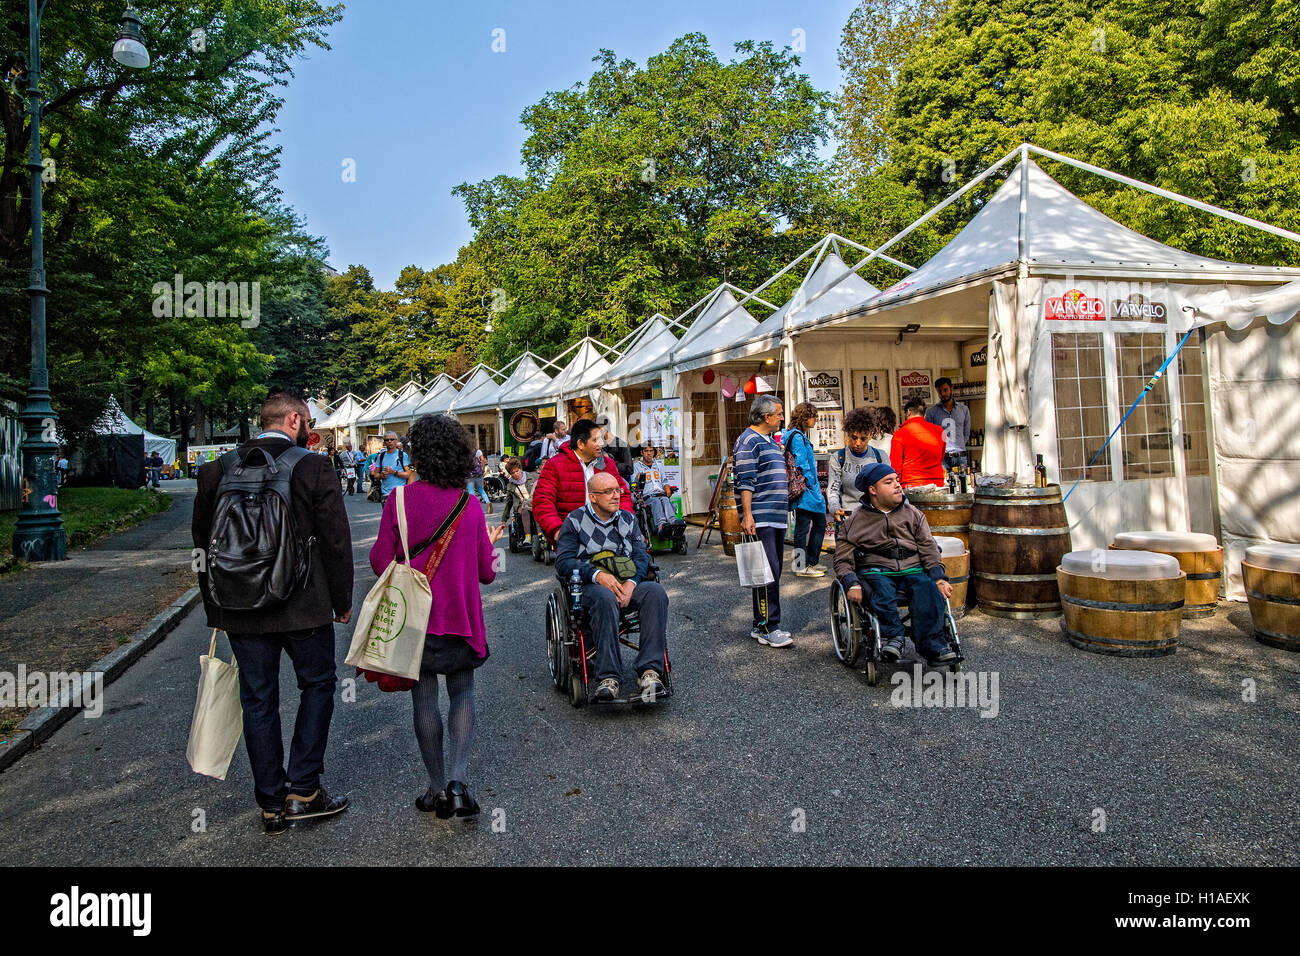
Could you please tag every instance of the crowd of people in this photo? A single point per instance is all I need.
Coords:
(582, 504)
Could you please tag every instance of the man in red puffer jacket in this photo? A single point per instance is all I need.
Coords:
(562, 485)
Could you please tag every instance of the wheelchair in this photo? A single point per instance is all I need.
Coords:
(542, 548)
(515, 531)
(674, 537)
(855, 632)
(571, 649)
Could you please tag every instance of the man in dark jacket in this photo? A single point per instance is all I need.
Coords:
(887, 543)
(302, 625)
(603, 543)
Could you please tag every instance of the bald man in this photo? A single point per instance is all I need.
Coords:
(603, 544)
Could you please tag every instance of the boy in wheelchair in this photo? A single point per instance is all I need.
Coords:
(604, 545)
(887, 543)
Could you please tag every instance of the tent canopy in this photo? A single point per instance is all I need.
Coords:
(526, 376)
(113, 421)
(349, 409)
(442, 391)
(378, 403)
(408, 400)
(646, 356)
(480, 390)
(722, 322)
(585, 371)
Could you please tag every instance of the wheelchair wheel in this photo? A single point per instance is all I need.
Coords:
(516, 541)
(577, 693)
(845, 624)
(872, 676)
(537, 546)
(557, 635)
(549, 556)
(679, 546)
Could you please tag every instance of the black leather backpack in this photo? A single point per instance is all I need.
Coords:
(255, 557)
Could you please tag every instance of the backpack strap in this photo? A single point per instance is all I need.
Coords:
(840, 455)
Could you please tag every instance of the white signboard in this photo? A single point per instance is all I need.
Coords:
(661, 426)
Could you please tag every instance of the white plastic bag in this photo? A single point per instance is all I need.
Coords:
(751, 564)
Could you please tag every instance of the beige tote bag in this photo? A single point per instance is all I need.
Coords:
(389, 636)
(218, 717)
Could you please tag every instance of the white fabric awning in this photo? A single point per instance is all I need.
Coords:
(722, 323)
(645, 357)
(480, 390)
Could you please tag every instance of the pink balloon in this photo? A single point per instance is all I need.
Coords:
(728, 387)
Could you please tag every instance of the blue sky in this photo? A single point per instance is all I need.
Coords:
(414, 94)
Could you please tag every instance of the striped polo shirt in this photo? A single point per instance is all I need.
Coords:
(760, 468)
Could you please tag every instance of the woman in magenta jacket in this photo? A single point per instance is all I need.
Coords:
(456, 643)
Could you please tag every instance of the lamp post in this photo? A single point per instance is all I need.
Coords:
(39, 534)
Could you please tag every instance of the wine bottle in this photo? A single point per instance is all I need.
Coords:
(1040, 472)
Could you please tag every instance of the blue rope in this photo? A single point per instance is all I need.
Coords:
(1150, 385)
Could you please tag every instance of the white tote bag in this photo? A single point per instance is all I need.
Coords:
(389, 636)
(218, 717)
(751, 563)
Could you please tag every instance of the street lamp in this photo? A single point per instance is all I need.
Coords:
(39, 535)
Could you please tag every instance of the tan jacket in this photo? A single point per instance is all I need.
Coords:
(897, 541)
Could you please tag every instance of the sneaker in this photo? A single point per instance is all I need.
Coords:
(892, 649)
(651, 686)
(773, 638)
(813, 572)
(275, 822)
(945, 655)
(322, 805)
(608, 689)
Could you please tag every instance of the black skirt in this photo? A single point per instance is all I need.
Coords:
(448, 654)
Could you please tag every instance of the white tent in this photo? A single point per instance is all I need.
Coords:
(480, 391)
(722, 321)
(441, 393)
(376, 405)
(585, 371)
(408, 399)
(113, 421)
(645, 356)
(349, 408)
(1046, 276)
(527, 375)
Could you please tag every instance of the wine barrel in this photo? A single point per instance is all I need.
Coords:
(956, 561)
(729, 518)
(1199, 555)
(947, 514)
(1273, 592)
(1017, 539)
(1125, 618)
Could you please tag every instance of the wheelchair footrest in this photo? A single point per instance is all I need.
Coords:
(630, 699)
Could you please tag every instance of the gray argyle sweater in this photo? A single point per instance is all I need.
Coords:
(583, 534)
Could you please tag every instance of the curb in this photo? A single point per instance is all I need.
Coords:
(42, 723)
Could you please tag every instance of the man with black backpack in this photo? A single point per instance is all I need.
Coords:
(270, 520)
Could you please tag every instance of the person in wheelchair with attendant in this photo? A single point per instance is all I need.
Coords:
(887, 556)
(602, 555)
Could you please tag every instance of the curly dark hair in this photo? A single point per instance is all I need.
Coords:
(803, 415)
(442, 451)
(862, 421)
(886, 421)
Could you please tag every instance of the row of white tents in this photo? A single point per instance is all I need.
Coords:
(1034, 266)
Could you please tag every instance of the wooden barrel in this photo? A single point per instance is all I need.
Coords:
(1204, 570)
(947, 514)
(958, 568)
(1017, 538)
(1274, 598)
(1124, 618)
(729, 519)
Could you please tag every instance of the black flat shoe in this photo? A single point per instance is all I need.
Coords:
(462, 804)
(322, 805)
(435, 802)
(276, 823)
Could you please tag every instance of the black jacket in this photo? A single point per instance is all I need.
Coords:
(317, 508)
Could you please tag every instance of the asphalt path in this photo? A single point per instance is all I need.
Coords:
(763, 756)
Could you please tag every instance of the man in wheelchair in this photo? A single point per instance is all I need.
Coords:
(604, 544)
(887, 544)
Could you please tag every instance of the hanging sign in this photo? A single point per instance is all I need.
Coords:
(914, 384)
(661, 426)
(823, 390)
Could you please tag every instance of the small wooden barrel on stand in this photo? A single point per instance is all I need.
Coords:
(956, 561)
(1129, 605)
(1271, 574)
(729, 517)
(1199, 555)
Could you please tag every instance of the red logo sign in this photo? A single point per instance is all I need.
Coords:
(313, 439)
(914, 380)
(1075, 305)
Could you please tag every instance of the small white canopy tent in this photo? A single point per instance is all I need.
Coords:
(378, 403)
(527, 374)
(1040, 267)
(113, 421)
(723, 320)
(480, 390)
(645, 356)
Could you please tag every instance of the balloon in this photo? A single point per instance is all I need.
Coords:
(709, 376)
(751, 386)
(728, 387)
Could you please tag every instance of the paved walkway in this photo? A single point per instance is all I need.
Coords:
(65, 615)
(764, 757)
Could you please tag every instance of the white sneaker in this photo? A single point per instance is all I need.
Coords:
(773, 638)
(813, 572)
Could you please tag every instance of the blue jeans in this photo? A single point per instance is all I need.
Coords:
(475, 487)
(258, 656)
(809, 532)
(951, 459)
(883, 593)
(651, 600)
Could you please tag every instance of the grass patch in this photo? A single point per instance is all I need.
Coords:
(91, 513)
(8, 725)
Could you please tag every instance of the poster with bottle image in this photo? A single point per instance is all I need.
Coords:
(870, 387)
